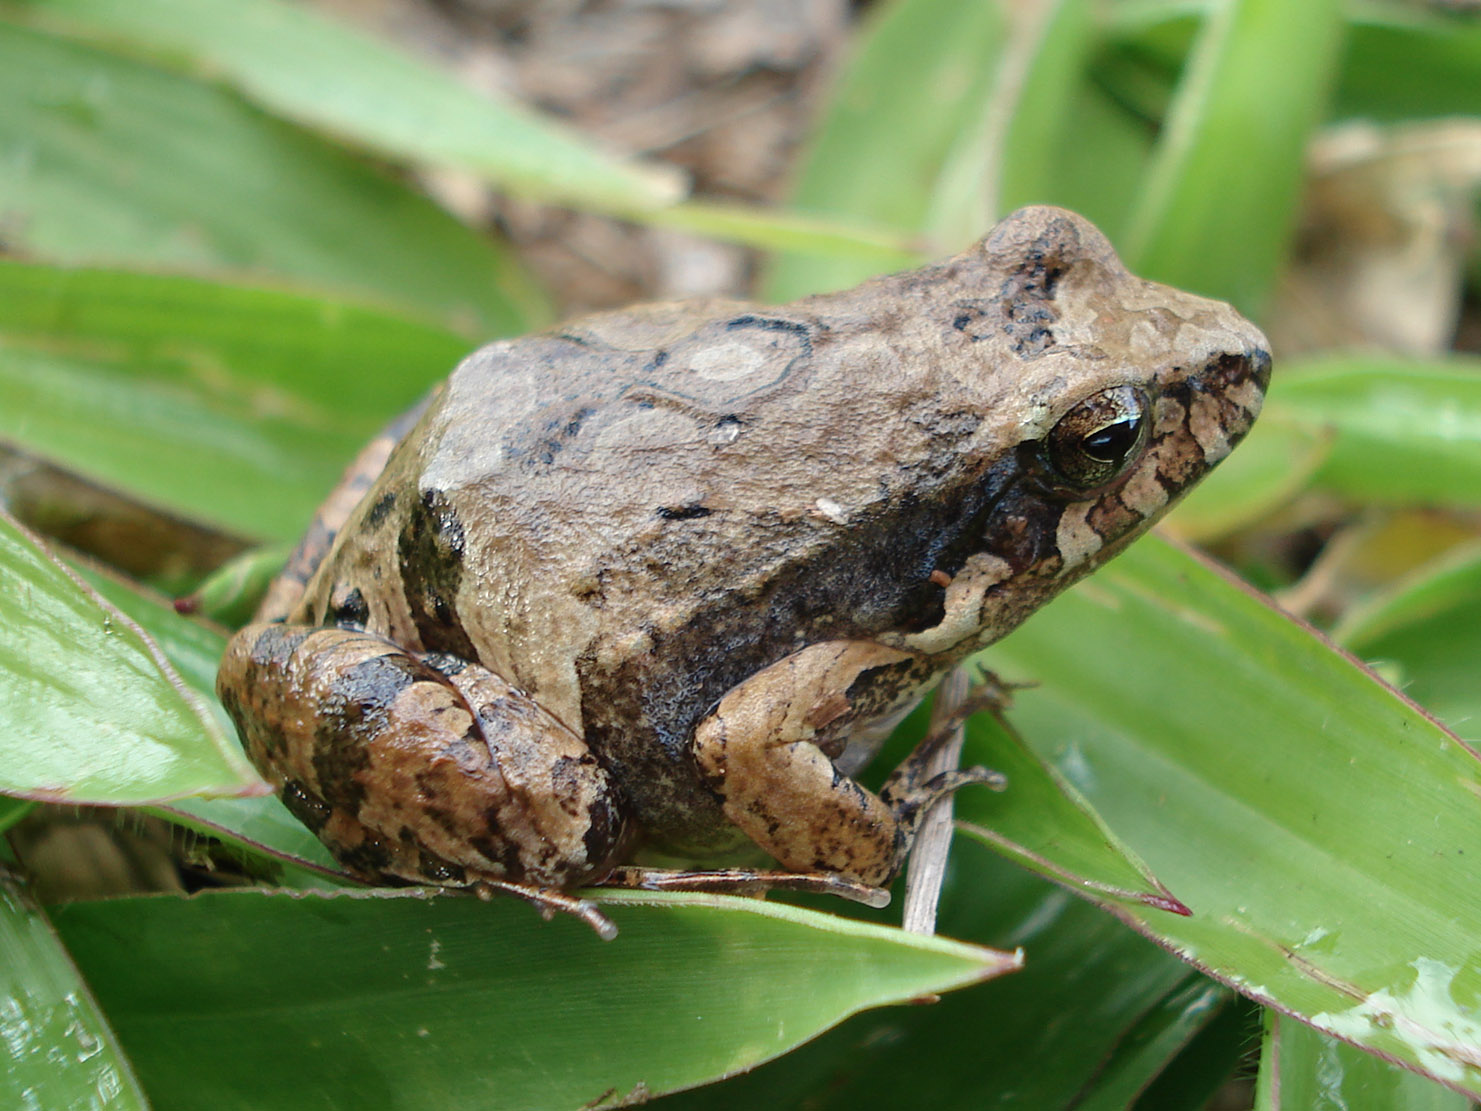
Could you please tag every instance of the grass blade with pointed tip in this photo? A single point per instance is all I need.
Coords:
(92, 712)
(234, 405)
(333, 76)
(111, 162)
(1044, 824)
(245, 999)
(61, 1052)
(1220, 201)
(1261, 775)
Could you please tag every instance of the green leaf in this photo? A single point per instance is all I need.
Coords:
(1101, 159)
(247, 999)
(329, 75)
(1403, 430)
(1219, 204)
(111, 162)
(919, 77)
(13, 810)
(61, 1051)
(90, 711)
(1303, 1070)
(1401, 63)
(236, 406)
(1263, 776)
(1430, 625)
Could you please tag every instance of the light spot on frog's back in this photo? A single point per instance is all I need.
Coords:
(727, 362)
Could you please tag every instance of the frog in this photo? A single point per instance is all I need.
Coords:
(661, 579)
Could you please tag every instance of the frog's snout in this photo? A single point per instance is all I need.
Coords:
(1236, 371)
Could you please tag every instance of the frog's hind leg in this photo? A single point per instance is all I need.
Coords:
(283, 594)
(423, 770)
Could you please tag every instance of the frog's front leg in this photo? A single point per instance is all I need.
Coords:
(762, 749)
(418, 768)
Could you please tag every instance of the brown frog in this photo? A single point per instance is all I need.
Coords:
(664, 575)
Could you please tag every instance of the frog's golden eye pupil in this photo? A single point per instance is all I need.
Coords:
(1096, 440)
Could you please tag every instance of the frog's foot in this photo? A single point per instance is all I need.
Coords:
(910, 801)
(550, 902)
(745, 881)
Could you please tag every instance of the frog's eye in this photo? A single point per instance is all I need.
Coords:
(1094, 441)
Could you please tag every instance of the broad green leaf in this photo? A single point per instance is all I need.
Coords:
(1034, 1041)
(1402, 430)
(1430, 625)
(326, 74)
(236, 406)
(111, 162)
(61, 1053)
(918, 79)
(1303, 1070)
(1263, 776)
(90, 711)
(1401, 63)
(1038, 88)
(249, 999)
(1220, 199)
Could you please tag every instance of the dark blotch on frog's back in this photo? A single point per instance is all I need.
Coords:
(1026, 301)
(430, 552)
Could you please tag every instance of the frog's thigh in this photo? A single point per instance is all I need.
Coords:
(757, 750)
(408, 771)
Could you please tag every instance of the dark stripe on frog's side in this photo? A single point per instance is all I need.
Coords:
(430, 552)
(641, 715)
